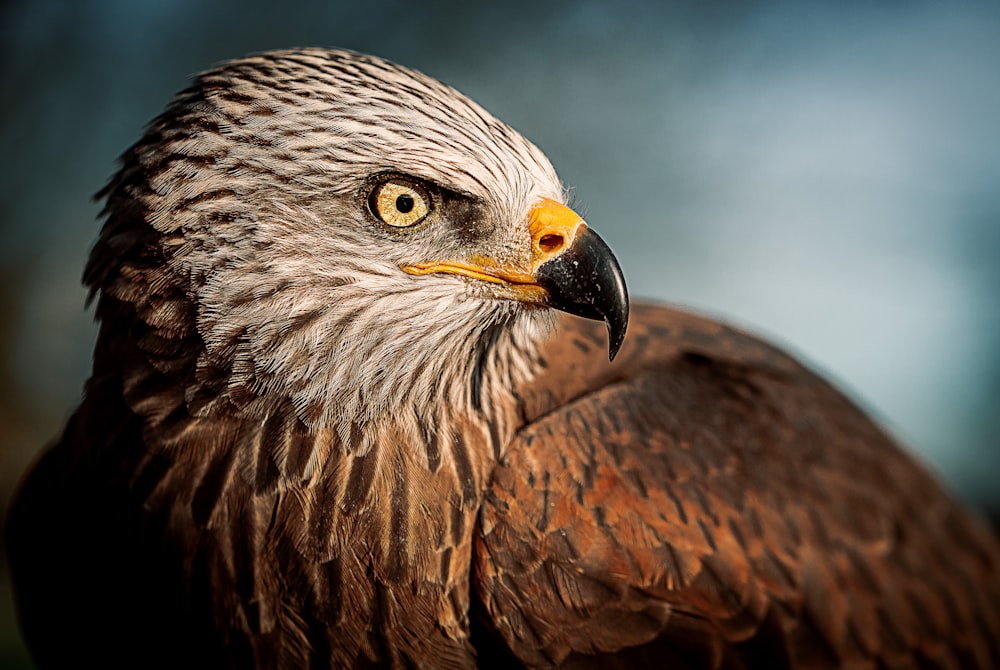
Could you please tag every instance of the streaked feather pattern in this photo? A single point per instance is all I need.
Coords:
(292, 454)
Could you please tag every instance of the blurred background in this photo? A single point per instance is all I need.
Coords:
(825, 174)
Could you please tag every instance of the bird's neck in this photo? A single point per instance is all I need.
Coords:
(390, 498)
(374, 356)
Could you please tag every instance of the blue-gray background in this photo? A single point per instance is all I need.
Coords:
(827, 174)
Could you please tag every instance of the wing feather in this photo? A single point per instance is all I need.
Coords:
(710, 495)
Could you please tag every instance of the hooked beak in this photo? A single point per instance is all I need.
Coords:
(572, 270)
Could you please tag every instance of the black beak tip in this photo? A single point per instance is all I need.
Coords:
(617, 324)
(615, 310)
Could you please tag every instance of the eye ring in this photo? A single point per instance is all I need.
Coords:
(399, 203)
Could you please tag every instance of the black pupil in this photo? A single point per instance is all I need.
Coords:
(404, 203)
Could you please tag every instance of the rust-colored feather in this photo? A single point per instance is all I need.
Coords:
(291, 453)
(712, 480)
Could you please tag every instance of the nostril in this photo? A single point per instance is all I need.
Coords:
(550, 243)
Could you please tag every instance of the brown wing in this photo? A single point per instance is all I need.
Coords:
(707, 502)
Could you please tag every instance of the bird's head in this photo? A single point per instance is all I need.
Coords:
(352, 236)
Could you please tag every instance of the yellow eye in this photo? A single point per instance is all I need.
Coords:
(398, 203)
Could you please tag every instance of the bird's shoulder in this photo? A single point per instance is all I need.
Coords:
(708, 500)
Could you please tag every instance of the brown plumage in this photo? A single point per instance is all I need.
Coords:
(333, 422)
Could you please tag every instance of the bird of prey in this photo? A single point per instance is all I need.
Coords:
(344, 412)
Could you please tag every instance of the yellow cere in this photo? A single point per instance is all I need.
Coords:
(553, 228)
(399, 204)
